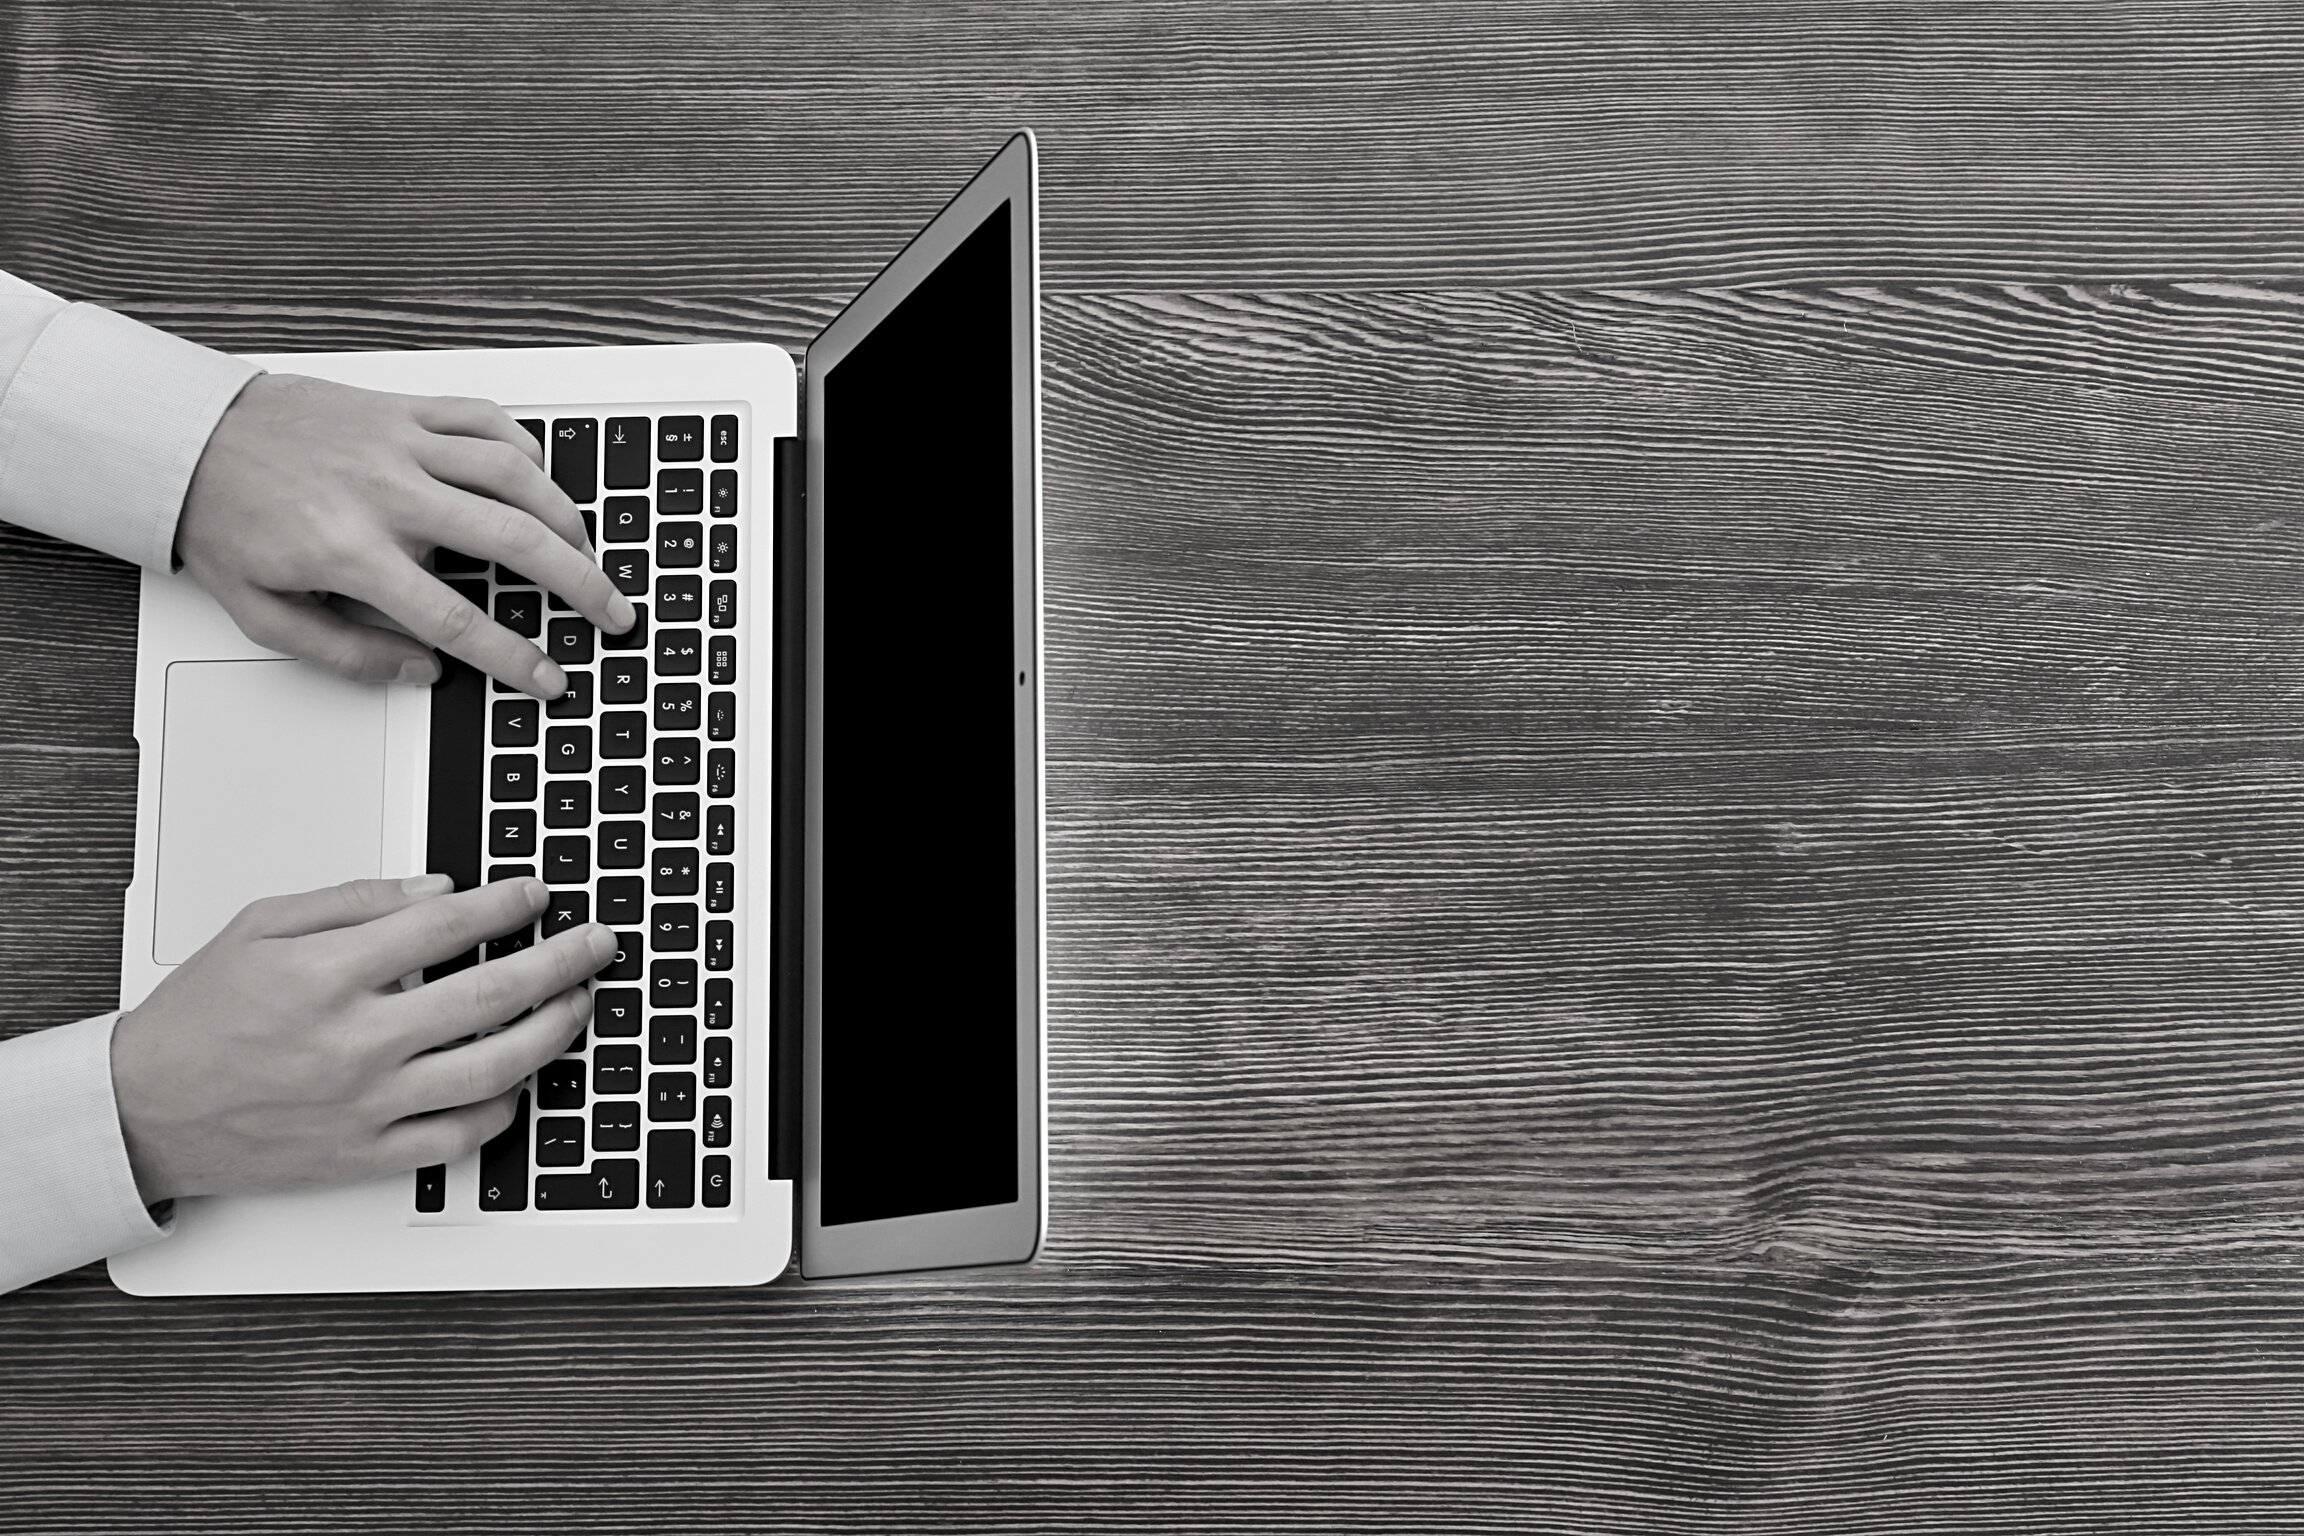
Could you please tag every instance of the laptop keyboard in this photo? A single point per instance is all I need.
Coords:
(622, 796)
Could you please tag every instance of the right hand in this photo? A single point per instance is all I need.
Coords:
(284, 1053)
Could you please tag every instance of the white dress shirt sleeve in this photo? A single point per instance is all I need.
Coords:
(67, 1195)
(102, 421)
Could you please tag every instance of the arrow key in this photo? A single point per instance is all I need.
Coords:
(671, 1169)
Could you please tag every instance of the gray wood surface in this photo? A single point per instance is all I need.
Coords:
(1676, 802)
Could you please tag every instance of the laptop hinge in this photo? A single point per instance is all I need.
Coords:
(788, 768)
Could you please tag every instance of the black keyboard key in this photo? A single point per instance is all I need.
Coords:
(719, 1115)
(724, 546)
(566, 910)
(611, 1184)
(568, 749)
(719, 1062)
(568, 803)
(720, 773)
(560, 1084)
(676, 760)
(719, 1003)
(560, 1140)
(721, 606)
(679, 492)
(569, 642)
(624, 680)
(511, 834)
(720, 830)
(723, 439)
(719, 945)
(473, 592)
(591, 537)
(671, 983)
(624, 519)
(508, 577)
(627, 571)
(723, 493)
(512, 776)
(505, 944)
(621, 900)
(679, 547)
(720, 888)
(454, 562)
(678, 706)
(633, 639)
(674, 873)
(616, 1127)
(675, 817)
(672, 927)
(622, 844)
(671, 1170)
(679, 653)
(558, 604)
(719, 1175)
(516, 722)
(623, 734)
(679, 599)
(576, 703)
(504, 1164)
(521, 611)
(672, 1039)
(624, 790)
(616, 1012)
(720, 719)
(498, 872)
(624, 964)
(535, 430)
(680, 439)
(576, 457)
(625, 459)
(723, 659)
(567, 861)
(671, 1096)
(615, 1070)
(432, 1188)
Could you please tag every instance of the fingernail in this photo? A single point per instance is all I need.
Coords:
(428, 885)
(580, 1004)
(620, 609)
(420, 670)
(538, 894)
(550, 679)
(602, 940)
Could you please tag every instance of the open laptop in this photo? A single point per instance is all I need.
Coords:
(805, 791)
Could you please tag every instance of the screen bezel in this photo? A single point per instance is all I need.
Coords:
(993, 1234)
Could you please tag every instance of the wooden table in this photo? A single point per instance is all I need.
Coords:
(1676, 786)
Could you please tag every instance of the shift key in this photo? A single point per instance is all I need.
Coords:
(611, 1184)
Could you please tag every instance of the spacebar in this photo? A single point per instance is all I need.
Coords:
(452, 833)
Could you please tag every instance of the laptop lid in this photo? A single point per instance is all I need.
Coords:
(922, 1140)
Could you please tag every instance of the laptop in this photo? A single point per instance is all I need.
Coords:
(805, 791)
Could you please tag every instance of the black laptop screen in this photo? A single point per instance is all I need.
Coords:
(918, 971)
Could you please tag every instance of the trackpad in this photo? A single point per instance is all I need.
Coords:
(271, 781)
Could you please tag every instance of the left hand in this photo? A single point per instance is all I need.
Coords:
(308, 487)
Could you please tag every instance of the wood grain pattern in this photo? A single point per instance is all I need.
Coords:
(570, 148)
(1674, 837)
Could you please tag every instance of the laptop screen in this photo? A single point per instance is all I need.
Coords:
(918, 1054)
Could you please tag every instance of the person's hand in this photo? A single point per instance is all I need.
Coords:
(309, 487)
(284, 1053)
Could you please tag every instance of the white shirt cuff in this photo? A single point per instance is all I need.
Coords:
(102, 426)
(67, 1194)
